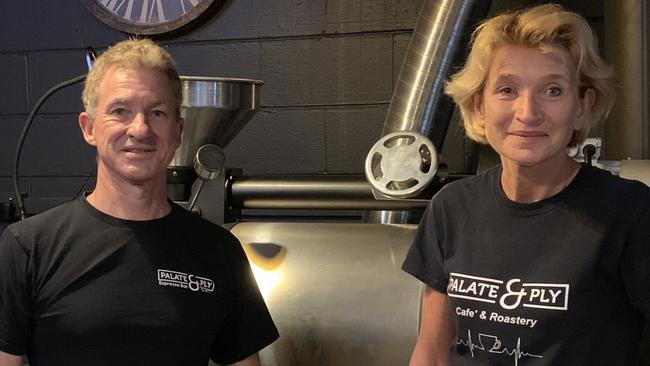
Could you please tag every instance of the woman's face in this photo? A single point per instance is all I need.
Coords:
(530, 105)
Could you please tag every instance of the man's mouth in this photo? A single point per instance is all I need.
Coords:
(138, 150)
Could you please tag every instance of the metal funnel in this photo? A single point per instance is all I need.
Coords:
(215, 110)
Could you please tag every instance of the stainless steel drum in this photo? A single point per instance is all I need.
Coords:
(335, 291)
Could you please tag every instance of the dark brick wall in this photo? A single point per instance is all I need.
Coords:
(328, 65)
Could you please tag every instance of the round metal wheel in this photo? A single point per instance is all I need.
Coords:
(401, 164)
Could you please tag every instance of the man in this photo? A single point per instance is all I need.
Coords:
(123, 276)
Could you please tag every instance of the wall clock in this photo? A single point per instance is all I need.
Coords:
(151, 17)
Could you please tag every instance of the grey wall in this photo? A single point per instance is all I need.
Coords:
(328, 65)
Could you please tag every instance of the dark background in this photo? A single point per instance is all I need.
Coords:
(329, 67)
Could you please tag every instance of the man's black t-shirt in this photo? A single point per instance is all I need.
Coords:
(78, 287)
(564, 281)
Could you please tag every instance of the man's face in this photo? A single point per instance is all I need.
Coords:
(135, 128)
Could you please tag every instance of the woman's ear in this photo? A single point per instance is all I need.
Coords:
(585, 104)
(86, 124)
(479, 109)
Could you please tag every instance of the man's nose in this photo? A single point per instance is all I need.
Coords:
(528, 108)
(139, 126)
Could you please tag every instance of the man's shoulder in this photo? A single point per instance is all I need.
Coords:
(45, 224)
(196, 224)
(62, 213)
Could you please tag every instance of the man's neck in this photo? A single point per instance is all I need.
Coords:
(130, 201)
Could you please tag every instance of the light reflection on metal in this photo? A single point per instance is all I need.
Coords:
(266, 259)
(267, 280)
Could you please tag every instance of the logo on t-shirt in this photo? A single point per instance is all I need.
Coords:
(509, 294)
(184, 280)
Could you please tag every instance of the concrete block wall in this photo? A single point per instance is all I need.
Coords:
(329, 67)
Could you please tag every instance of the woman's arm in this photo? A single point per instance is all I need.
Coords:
(7, 359)
(436, 331)
(253, 360)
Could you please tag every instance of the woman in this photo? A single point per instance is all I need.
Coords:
(540, 260)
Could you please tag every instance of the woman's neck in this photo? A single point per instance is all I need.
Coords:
(527, 184)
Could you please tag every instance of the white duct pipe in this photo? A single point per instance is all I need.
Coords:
(627, 130)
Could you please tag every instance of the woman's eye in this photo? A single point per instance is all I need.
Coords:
(506, 90)
(554, 92)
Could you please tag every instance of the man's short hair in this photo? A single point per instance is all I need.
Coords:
(132, 53)
(541, 27)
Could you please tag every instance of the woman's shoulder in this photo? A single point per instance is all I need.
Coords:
(604, 191)
(610, 184)
(470, 187)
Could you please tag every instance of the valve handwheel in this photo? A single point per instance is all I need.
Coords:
(401, 164)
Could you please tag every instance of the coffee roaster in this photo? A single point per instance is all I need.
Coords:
(335, 289)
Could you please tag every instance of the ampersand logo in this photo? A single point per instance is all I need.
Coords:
(184, 280)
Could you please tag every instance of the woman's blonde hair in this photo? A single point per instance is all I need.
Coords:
(131, 53)
(540, 27)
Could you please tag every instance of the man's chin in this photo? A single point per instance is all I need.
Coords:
(140, 178)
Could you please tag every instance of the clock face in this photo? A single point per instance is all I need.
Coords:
(150, 17)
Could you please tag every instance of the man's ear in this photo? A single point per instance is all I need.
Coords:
(86, 124)
(180, 122)
(585, 104)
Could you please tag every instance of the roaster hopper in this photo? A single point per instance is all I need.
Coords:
(215, 110)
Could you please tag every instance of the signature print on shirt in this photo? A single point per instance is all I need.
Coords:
(492, 344)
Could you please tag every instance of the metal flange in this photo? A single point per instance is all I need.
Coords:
(401, 164)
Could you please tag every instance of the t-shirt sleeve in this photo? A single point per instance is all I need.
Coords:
(424, 260)
(635, 266)
(249, 327)
(14, 296)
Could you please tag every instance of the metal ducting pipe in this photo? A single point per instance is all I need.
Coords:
(418, 104)
(627, 130)
(433, 45)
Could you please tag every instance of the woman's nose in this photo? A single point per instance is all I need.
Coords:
(528, 108)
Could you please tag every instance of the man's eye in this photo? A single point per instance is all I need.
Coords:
(119, 112)
(159, 113)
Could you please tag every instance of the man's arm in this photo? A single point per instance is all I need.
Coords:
(253, 360)
(436, 331)
(7, 359)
